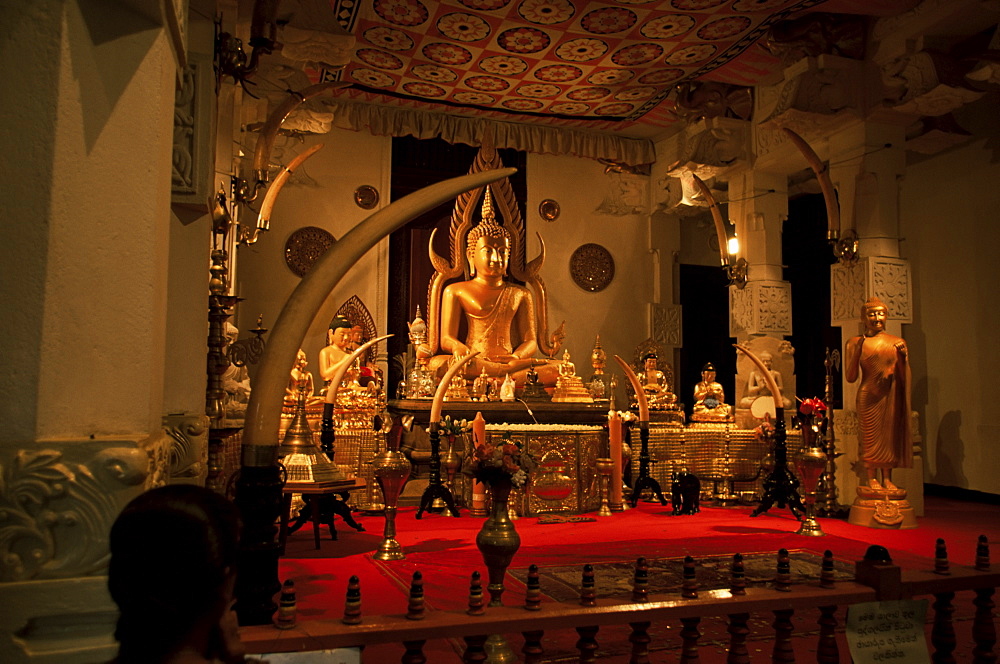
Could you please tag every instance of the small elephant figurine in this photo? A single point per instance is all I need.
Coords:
(686, 491)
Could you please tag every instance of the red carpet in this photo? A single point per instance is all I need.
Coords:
(443, 549)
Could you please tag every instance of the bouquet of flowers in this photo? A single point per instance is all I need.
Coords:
(812, 420)
(451, 428)
(489, 463)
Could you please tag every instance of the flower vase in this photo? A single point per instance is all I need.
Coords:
(498, 540)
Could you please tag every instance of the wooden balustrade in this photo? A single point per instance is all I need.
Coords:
(876, 579)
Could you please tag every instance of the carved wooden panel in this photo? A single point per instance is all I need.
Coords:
(666, 323)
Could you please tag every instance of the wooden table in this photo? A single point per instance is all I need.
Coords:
(317, 509)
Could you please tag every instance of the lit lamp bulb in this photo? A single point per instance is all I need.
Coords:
(733, 245)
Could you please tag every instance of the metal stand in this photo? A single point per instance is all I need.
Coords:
(723, 493)
(435, 488)
(826, 491)
(645, 480)
(780, 486)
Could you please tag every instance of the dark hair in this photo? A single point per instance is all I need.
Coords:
(172, 551)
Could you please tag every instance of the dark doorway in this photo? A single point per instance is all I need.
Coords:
(417, 163)
(704, 299)
(807, 257)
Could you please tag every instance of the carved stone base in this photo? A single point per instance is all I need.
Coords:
(886, 511)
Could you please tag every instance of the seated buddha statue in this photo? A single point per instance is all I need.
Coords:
(299, 379)
(337, 350)
(655, 385)
(498, 314)
(710, 399)
(757, 384)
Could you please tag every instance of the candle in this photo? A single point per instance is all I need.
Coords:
(478, 488)
(615, 438)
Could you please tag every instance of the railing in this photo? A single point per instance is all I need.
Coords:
(876, 579)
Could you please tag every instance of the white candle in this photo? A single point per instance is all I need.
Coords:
(615, 438)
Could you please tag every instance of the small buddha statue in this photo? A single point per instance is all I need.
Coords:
(757, 384)
(337, 350)
(655, 385)
(566, 368)
(710, 399)
(507, 389)
(532, 388)
(299, 379)
(235, 380)
(569, 386)
(481, 386)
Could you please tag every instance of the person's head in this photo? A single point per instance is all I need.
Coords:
(340, 333)
(873, 314)
(173, 568)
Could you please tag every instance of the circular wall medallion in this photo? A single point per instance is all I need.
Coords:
(592, 267)
(549, 209)
(366, 197)
(304, 247)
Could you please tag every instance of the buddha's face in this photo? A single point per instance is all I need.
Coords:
(765, 359)
(650, 364)
(490, 256)
(708, 376)
(875, 319)
(340, 337)
(300, 360)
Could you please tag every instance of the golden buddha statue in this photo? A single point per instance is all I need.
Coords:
(655, 385)
(883, 401)
(299, 379)
(488, 313)
(710, 399)
(569, 386)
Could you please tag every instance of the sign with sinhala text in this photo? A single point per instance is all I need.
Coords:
(888, 632)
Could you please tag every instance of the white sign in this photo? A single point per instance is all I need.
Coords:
(888, 632)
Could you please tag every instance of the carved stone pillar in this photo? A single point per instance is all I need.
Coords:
(758, 206)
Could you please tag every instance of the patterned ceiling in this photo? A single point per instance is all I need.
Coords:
(604, 65)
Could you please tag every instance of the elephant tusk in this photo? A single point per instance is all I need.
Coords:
(720, 227)
(442, 388)
(639, 394)
(264, 218)
(263, 418)
(262, 151)
(338, 375)
(768, 378)
(825, 184)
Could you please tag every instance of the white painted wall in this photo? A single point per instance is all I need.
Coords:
(321, 194)
(949, 217)
(619, 312)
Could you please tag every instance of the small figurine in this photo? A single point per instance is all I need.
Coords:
(507, 389)
(299, 379)
(710, 399)
(686, 492)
